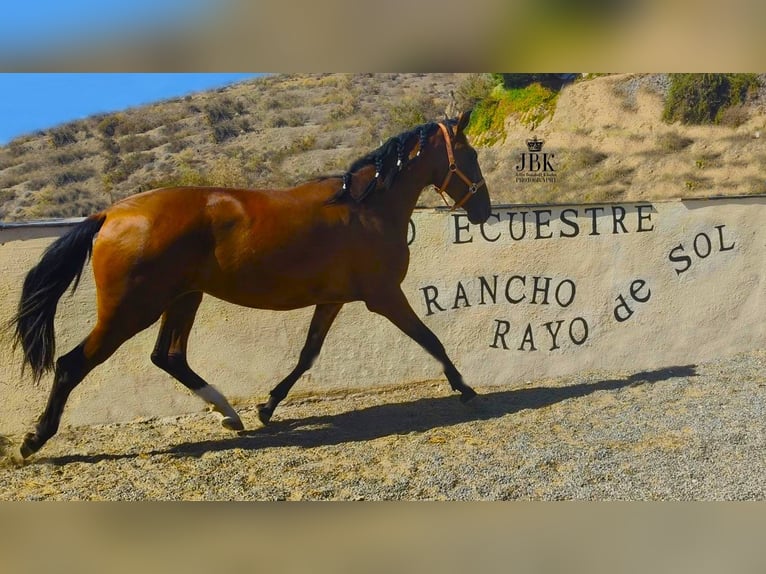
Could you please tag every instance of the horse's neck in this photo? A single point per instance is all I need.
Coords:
(398, 202)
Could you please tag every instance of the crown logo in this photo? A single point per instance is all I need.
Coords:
(535, 144)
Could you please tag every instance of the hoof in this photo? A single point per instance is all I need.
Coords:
(467, 394)
(264, 413)
(28, 447)
(231, 423)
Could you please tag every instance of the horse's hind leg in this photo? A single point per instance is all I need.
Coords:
(323, 318)
(170, 355)
(395, 307)
(70, 370)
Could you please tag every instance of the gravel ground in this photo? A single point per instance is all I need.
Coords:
(691, 432)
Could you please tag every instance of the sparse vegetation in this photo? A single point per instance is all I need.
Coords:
(288, 119)
(224, 130)
(279, 130)
(474, 89)
(223, 110)
(67, 157)
(530, 105)
(705, 98)
(551, 81)
(72, 176)
(734, 116)
(409, 112)
(708, 160)
(695, 182)
(584, 157)
(108, 126)
(224, 172)
(176, 145)
(136, 142)
(139, 121)
(614, 174)
(110, 146)
(673, 142)
(62, 136)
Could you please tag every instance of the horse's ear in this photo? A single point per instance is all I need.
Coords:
(462, 120)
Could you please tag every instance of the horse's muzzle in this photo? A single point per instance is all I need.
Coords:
(479, 215)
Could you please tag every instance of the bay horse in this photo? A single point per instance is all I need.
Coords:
(325, 242)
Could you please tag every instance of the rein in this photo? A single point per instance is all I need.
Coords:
(473, 186)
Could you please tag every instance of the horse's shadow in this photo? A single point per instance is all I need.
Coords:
(394, 418)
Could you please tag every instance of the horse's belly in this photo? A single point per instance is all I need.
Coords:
(284, 292)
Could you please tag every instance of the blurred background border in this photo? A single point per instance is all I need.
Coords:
(363, 36)
(337, 35)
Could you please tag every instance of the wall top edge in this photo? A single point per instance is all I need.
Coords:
(67, 222)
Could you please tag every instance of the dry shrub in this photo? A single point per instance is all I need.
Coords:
(224, 130)
(734, 116)
(673, 142)
(474, 89)
(136, 142)
(584, 157)
(61, 136)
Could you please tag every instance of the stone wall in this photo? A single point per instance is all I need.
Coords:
(538, 291)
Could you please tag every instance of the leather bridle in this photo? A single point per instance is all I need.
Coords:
(473, 186)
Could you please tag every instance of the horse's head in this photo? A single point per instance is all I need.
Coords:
(463, 182)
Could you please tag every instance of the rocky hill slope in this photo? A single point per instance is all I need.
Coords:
(610, 144)
(605, 141)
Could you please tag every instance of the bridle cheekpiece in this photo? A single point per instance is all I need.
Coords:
(473, 186)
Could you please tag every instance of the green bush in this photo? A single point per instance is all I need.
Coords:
(704, 98)
(531, 105)
(552, 81)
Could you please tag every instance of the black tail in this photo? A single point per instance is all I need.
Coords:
(44, 285)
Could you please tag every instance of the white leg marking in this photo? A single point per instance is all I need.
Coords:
(211, 395)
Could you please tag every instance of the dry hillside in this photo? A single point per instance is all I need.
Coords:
(610, 144)
(606, 138)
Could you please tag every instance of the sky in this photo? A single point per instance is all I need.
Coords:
(33, 102)
(41, 24)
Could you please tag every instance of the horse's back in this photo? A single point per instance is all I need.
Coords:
(280, 249)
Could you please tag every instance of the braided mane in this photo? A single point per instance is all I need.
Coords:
(389, 159)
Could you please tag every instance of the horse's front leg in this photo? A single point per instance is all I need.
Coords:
(323, 318)
(394, 306)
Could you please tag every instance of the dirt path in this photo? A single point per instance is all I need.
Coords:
(689, 432)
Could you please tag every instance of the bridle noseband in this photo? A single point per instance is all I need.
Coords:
(473, 187)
